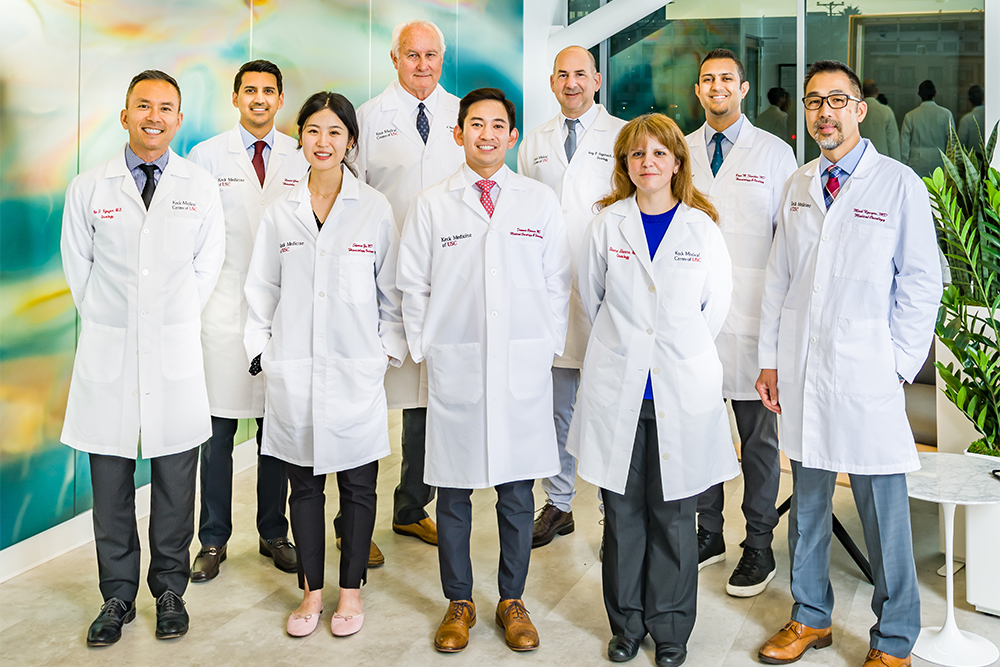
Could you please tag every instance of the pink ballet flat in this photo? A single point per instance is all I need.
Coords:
(345, 626)
(302, 626)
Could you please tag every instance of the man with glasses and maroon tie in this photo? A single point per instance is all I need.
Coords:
(850, 300)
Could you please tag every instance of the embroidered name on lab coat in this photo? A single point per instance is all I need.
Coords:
(686, 256)
(621, 253)
(288, 245)
(386, 133)
(368, 248)
(183, 205)
(107, 213)
(603, 157)
(451, 241)
(540, 159)
(289, 182)
(227, 181)
(796, 205)
(877, 216)
(529, 233)
(750, 178)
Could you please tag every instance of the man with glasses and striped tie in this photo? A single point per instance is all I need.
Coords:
(850, 300)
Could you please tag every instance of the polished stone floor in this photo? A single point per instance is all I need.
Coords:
(238, 618)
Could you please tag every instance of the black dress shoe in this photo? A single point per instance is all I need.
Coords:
(551, 521)
(670, 654)
(107, 627)
(622, 649)
(206, 563)
(282, 551)
(171, 616)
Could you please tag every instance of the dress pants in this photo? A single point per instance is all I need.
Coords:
(758, 429)
(561, 488)
(884, 509)
(306, 506)
(171, 523)
(216, 519)
(412, 495)
(650, 566)
(515, 516)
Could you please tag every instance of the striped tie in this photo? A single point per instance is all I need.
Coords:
(832, 186)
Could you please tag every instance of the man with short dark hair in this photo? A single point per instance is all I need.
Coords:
(879, 125)
(850, 300)
(774, 119)
(484, 268)
(143, 241)
(972, 127)
(254, 164)
(926, 132)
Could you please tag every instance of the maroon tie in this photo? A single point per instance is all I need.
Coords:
(258, 160)
(485, 187)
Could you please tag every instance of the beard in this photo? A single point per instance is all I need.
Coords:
(833, 141)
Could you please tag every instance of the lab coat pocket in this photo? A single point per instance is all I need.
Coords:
(603, 370)
(526, 263)
(787, 342)
(355, 393)
(289, 392)
(455, 373)
(865, 364)
(683, 289)
(749, 214)
(100, 352)
(864, 252)
(529, 367)
(357, 278)
(180, 350)
(699, 382)
(179, 238)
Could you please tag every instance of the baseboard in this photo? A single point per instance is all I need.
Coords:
(78, 531)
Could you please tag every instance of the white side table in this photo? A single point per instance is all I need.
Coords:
(953, 479)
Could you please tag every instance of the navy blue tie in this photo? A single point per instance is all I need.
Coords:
(717, 157)
(423, 125)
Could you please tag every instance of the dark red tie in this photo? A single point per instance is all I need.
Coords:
(258, 160)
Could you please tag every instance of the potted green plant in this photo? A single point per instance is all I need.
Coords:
(965, 196)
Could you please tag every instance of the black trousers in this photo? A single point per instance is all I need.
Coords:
(758, 429)
(216, 518)
(515, 516)
(171, 523)
(306, 506)
(650, 564)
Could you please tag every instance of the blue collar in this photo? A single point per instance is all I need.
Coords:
(132, 161)
(249, 140)
(731, 133)
(849, 163)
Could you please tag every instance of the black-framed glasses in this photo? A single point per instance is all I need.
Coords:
(838, 101)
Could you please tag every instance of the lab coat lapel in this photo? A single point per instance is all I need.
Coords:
(118, 169)
(445, 119)
(633, 232)
(737, 153)
(303, 212)
(676, 234)
(699, 154)
(274, 162)
(239, 152)
(557, 146)
(175, 169)
(507, 196)
(401, 120)
(816, 186)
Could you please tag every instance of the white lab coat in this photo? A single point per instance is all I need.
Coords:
(578, 184)
(324, 315)
(485, 301)
(394, 160)
(851, 298)
(924, 137)
(232, 392)
(139, 280)
(658, 316)
(746, 192)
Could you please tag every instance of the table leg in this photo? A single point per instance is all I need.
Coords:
(947, 645)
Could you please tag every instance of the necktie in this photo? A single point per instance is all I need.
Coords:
(570, 144)
(150, 187)
(423, 125)
(258, 160)
(717, 156)
(832, 186)
(485, 187)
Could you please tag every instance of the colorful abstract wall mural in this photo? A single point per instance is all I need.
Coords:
(64, 69)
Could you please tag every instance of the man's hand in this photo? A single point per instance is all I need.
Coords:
(767, 387)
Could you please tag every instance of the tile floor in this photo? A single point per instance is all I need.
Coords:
(238, 618)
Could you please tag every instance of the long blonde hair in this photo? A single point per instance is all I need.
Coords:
(664, 130)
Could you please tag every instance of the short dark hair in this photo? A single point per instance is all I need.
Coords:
(869, 88)
(482, 94)
(724, 54)
(927, 90)
(977, 95)
(824, 66)
(265, 66)
(776, 94)
(153, 75)
(339, 105)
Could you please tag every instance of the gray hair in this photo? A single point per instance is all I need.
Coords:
(398, 31)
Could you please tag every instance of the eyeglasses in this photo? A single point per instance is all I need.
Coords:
(815, 102)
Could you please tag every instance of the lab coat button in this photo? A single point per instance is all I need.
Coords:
(135, 394)
(143, 313)
(661, 414)
(263, 202)
(816, 288)
(145, 272)
(656, 371)
(494, 313)
(649, 331)
(666, 457)
(493, 272)
(826, 237)
(145, 231)
(322, 253)
(813, 339)
(322, 293)
(652, 288)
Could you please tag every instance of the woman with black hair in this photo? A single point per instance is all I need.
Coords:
(324, 324)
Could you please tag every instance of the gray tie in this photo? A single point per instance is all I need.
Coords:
(570, 144)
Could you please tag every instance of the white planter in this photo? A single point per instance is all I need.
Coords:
(982, 545)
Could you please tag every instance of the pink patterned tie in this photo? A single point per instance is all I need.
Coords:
(485, 187)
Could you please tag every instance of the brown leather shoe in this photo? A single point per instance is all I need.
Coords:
(425, 530)
(792, 641)
(878, 659)
(375, 557)
(518, 629)
(551, 521)
(453, 633)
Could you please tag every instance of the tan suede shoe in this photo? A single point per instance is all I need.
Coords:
(878, 659)
(453, 633)
(791, 642)
(425, 530)
(518, 629)
(375, 557)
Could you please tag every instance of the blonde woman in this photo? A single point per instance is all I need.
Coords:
(651, 427)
